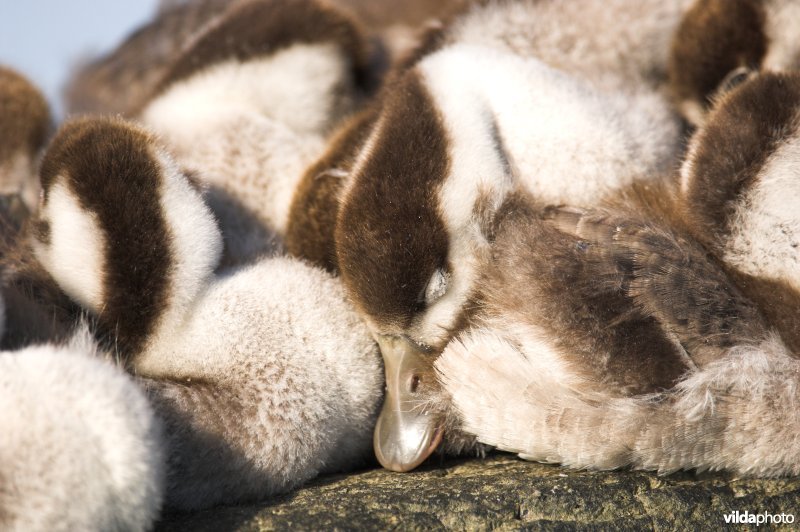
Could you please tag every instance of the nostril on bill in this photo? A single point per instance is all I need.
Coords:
(405, 434)
(413, 383)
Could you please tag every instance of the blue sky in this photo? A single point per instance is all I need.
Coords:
(44, 38)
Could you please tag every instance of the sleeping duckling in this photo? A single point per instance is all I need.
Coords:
(491, 106)
(719, 44)
(621, 68)
(251, 102)
(245, 94)
(264, 376)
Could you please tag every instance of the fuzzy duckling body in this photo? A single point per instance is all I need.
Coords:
(80, 445)
(251, 102)
(697, 379)
(719, 44)
(712, 357)
(266, 368)
(35, 310)
(468, 116)
(738, 190)
(24, 130)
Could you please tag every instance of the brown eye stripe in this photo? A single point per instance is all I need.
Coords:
(390, 236)
(109, 165)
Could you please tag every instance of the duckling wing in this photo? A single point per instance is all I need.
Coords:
(669, 278)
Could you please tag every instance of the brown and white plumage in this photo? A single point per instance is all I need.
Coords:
(35, 309)
(492, 103)
(25, 127)
(245, 94)
(719, 44)
(249, 104)
(739, 187)
(694, 289)
(698, 380)
(264, 375)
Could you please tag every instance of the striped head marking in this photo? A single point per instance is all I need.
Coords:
(411, 237)
(115, 212)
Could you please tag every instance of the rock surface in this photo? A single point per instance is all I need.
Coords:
(504, 493)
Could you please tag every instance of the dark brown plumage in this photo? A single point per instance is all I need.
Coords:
(665, 278)
(715, 38)
(390, 199)
(575, 287)
(315, 204)
(26, 120)
(105, 166)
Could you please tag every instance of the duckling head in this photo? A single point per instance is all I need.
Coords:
(719, 44)
(412, 233)
(122, 230)
(25, 123)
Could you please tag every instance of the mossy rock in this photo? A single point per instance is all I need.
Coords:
(501, 492)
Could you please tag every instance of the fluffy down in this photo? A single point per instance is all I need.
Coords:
(80, 448)
(738, 413)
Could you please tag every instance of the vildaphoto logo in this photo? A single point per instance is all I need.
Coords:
(764, 518)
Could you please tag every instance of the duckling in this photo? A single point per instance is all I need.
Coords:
(626, 61)
(80, 446)
(251, 102)
(737, 191)
(24, 129)
(264, 376)
(612, 338)
(246, 95)
(35, 310)
(718, 44)
(493, 105)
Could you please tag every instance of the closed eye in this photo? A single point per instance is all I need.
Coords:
(437, 286)
(734, 78)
